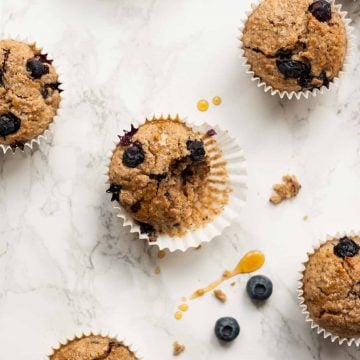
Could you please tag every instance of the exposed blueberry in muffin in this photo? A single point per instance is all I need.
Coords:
(43, 58)
(292, 68)
(146, 228)
(9, 124)
(158, 177)
(321, 9)
(17, 144)
(36, 68)
(125, 140)
(305, 80)
(54, 87)
(211, 132)
(227, 329)
(324, 79)
(196, 148)
(115, 190)
(136, 207)
(346, 248)
(259, 287)
(133, 155)
(284, 54)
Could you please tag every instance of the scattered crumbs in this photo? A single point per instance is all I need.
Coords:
(289, 188)
(305, 218)
(178, 348)
(219, 294)
(157, 270)
(161, 254)
(198, 247)
(233, 283)
(217, 100)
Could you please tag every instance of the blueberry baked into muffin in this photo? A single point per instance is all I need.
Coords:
(331, 286)
(29, 93)
(93, 347)
(295, 45)
(159, 173)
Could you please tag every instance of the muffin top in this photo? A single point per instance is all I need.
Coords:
(29, 92)
(157, 172)
(331, 286)
(93, 347)
(294, 45)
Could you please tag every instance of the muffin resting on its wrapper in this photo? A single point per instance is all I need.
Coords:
(330, 288)
(29, 94)
(171, 179)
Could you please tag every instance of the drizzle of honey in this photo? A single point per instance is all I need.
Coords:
(250, 262)
(216, 100)
(178, 315)
(183, 307)
(161, 254)
(203, 105)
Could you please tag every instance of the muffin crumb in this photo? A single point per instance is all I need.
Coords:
(219, 294)
(178, 348)
(289, 188)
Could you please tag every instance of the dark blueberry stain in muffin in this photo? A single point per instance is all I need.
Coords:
(158, 177)
(133, 156)
(44, 59)
(53, 86)
(321, 10)
(36, 68)
(115, 190)
(146, 228)
(17, 144)
(293, 69)
(9, 124)
(197, 150)
(125, 140)
(346, 248)
(136, 207)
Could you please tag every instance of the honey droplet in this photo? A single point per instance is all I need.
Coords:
(183, 307)
(251, 261)
(217, 100)
(203, 105)
(161, 254)
(178, 315)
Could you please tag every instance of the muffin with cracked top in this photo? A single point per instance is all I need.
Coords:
(159, 173)
(29, 93)
(295, 45)
(331, 286)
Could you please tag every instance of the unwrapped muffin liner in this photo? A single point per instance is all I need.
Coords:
(81, 335)
(33, 144)
(319, 330)
(226, 151)
(305, 93)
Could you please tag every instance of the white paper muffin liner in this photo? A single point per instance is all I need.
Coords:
(305, 93)
(233, 155)
(80, 335)
(319, 330)
(35, 143)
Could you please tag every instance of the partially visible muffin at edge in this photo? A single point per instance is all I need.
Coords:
(29, 92)
(331, 286)
(158, 173)
(295, 45)
(93, 347)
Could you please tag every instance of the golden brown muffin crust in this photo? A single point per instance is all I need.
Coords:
(93, 347)
(34, 101)
(287, 24)
(331, 288)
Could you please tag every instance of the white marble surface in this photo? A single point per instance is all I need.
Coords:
(67, 265)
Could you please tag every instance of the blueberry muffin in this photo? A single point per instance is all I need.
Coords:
(295, 45)
(93, 347)
(331, 286)
(159, 172)
(29, 93)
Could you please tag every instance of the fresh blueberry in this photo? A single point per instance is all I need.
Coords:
(9, 124)
(114, 189)
(321, 9)
(133, 155)
(227, 329)
(259, 287)
(196, 148)
(292, 68)
(346, 248)
(36, 68)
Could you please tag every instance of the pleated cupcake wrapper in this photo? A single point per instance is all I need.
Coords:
(305, 93)
(234, 184)
(319, 330)
(81, 335)
(33, 144)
